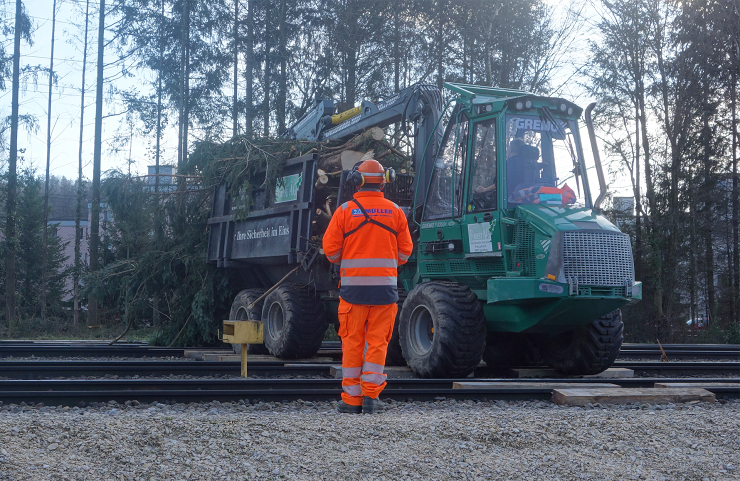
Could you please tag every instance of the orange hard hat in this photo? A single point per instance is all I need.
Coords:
(372, 172)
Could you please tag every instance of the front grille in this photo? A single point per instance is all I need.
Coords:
(522, 258)
(434, 267)
(597, 258)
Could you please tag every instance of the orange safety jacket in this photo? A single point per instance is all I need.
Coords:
(537, 194)
(369, 237)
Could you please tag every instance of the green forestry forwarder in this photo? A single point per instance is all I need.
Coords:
(512, 255)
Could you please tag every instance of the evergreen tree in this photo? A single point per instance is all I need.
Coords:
(29, 258)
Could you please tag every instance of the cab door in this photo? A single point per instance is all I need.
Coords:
(441, 236)
(481, 229)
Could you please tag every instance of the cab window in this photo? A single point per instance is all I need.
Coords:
(482, 191)
(448, 170)
(542, 164)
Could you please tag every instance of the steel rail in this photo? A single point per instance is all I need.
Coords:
(21, 348)
(69, 392)
(57, 369)
(679, 354)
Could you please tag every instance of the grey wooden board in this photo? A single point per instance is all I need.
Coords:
(533, 385)
(582, 397)
(697, 384)
(393, 372)
(198, 354)
(611, 373)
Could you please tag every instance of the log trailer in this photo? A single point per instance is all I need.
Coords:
(511, 253)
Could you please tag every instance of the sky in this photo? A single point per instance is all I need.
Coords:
(65, 128)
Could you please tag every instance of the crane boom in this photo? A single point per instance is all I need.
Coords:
(320, 122)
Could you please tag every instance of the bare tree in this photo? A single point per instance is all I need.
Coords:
(77, 273)
(92, 313)
(10, 202)
(48, 164)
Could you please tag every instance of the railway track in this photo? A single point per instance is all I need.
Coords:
(33, 381)
(76, 392)
(68, 369)
(139, 350)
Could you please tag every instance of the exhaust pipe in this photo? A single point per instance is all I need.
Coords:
(597, 158)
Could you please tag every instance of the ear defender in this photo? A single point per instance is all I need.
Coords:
(370, 171)
(390, 175)
(356, 177)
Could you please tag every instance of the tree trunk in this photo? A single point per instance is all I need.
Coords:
(184, 41)
(158, 223)
(735, 191)
(267, 78)
(282, 93)
(92, 314)
(708, 209)
(693, 249)
(10, 201)
(186, 112)
(638, 200)
(160, 62)
(396, 47)
(45, 248)
(80, 187)
(235, 111)
(249, 71)
(440, 44)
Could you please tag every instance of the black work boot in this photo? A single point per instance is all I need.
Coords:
(343, 407)
(371, 405)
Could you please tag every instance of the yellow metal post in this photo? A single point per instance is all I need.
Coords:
(244, 360)
(244, 333)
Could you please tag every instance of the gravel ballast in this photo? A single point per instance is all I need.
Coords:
(441, 440)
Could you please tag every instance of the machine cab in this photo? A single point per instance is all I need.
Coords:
(501, 149)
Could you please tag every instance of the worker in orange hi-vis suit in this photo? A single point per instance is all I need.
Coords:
(369, 237)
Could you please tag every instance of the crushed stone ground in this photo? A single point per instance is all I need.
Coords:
(439, 440)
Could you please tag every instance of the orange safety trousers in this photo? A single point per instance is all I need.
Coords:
(365, 331)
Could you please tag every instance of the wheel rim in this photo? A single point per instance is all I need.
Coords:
(241, 314)
(275, 320)
(421, 330)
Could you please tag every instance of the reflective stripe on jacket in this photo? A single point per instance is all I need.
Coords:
(369, 256)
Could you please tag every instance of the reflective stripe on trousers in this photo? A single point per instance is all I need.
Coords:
(353, 390)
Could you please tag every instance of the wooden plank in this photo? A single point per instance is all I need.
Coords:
(224, 357)
(611, 373)
(533, 385)
(307, 364)
(198, 354)
(582, 397)
(393, 372)
(697, 384)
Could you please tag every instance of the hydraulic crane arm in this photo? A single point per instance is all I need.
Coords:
(419, 105)
(319, 123)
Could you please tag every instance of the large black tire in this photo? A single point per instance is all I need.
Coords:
(294, 322)
(442, 330)
(394, 355)
(590, 349)
(239, 312)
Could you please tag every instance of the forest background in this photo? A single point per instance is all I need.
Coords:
(167, 77)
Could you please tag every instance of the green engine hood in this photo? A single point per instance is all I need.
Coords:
(552, 218)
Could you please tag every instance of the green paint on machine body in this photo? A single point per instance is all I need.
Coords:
(538, 262)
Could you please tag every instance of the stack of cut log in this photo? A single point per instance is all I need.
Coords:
(370, 144)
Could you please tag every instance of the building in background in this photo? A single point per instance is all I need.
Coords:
(66, 231)
(166, 182)
(623, 212)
